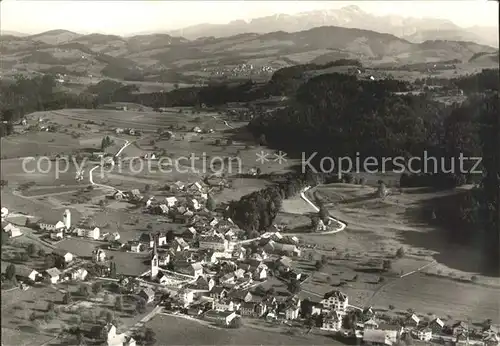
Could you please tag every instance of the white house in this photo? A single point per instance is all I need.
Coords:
(51, 227)
(98, 255)
(196, 270)
(186, 296)
(179, 244)
(12, 230)
(53, 275)
(376, 337)
(67, 256)
(336, 300)
(223, 305)
(171, 201)
(94, 233)
(136, 247)
(423, 334)
(195, 204)
(113, 236)
(56, 234)
(78, 274)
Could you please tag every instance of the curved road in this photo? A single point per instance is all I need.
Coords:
(91, 179)
(339, 229)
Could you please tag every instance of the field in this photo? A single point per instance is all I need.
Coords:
(178, 331)
(376, 230)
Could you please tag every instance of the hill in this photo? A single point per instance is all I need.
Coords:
(160, 58)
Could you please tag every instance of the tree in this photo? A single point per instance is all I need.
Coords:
(41, 252)
(67, 299)
(50, 306)
(170, 236)
(211, 204)
(323, 213)
(10, 272)
(140, 306)
(236, 323)
(109, 316)
(382, 190)
(31, 249)
(147, 188)
(119, 303)
(113, 270)
(84, 290)
(96, 288)
(49, 261)
(294, 286)
(318, 265)
(314, 222)
(262, 139)
(400, 253)
(149, 336)
(387, 265)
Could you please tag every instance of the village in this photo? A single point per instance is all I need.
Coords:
(211, 273)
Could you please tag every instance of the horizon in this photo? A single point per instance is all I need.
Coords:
(121, 18)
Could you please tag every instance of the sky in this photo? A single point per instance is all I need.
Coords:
(126, 17)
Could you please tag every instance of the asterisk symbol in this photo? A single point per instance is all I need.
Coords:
(280, 157)
(262, 157)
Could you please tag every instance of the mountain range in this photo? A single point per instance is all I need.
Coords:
(412, 29)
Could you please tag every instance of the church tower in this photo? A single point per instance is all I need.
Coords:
(67, 219)
(154, 260)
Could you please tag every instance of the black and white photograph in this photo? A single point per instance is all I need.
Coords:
(240, 173)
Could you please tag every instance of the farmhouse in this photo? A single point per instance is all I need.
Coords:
(51, 227)
(376, 337)
(53, 275)
(147, 294)
(179, 244)
(171, 201)
(336, 300)
(113, 236)
(423, 334)
(214, 242)
(67, 256)
(98, 255)
(94, 233)
(332, 322)
(12, 230)
(57, 234)
(220, 317)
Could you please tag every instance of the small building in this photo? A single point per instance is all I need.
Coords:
(171, 201)
(4, 212)
(93, 233)
(79, 274)
(147, 294)
(53, 275)
(412, 321)
(196, 129)
(436, 325)
(113, 236)
(332, 322)
(12, 231)
(179, 244)
(98, 255)
(218, 293)
(196, 270)
(51, 227)
(423, 334)
(459, 328)
(190, 233)
(335, 300)
(376, 337)
(67, 256)
(220, 317)
(136, 247)
(57, 234)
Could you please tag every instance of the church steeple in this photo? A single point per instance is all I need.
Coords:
(154, 259)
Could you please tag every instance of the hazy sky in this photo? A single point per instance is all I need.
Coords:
(122, 17)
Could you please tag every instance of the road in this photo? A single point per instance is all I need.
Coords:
(91, 178)
(339, 229)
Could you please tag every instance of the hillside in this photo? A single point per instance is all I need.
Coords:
(160, 58)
